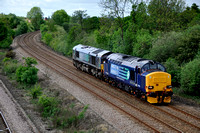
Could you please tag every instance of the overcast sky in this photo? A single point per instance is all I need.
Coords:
(21, 7)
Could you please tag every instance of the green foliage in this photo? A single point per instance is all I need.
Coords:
(21, 28)
(163, 14)
(190, 78)
(139, 15)
(6, 42)
(3, 31)
(174, 69)
(190, 44)
(91, 24)
(9, 66)
(36, 91)
(78, 16)
(48, 106)
(60, 16)
(166, 46)
(13, 20)
(27, 74)
(35, 15)
(29, 61)
(69, 118)
(143, 43)
(48, 38)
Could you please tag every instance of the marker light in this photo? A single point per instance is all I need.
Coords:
(150, 87)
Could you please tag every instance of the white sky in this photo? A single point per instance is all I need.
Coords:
(21, 7)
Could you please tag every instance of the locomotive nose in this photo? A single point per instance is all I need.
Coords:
(158, 86)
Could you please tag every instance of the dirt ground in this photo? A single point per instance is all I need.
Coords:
(22, 114)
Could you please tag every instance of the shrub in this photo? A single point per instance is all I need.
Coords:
(6, 42)
(174, 69)
(69, 118)
(190, 44)
(30, 61)
(10, 54)
(190, 77)
(47, 38)
(21, 28)
(36, 91)
(10, 67)
(48, 106)
(27, 74)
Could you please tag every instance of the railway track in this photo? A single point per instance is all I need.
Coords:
(125, 105)
(4, 128)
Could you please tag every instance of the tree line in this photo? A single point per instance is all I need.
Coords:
(164, 31)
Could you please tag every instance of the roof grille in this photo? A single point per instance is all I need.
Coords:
(97, 51)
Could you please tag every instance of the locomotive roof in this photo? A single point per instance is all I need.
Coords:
(128, 60)
(90, 50)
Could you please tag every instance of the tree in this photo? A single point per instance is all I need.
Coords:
(90, 24)
(35, 15)
(13, 20)
(163, 13)
(140, 16)
(117, 9)
(78, 17)
(60, 17)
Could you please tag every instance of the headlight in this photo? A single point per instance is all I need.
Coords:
(150, 87)
(169, 86)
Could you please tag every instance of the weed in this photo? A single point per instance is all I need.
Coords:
(36, 91)
(48, 106)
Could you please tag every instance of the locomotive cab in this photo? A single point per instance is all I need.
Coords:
(157, 83)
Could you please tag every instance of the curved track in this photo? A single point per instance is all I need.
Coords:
(155, 118)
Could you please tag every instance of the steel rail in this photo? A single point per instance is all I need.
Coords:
(130, 104)
(5, 124)
(103, 90)
(186, 113)
(74, 81)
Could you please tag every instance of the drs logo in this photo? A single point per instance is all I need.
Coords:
(119, 71)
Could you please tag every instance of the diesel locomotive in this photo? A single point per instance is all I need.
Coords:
(141, 77)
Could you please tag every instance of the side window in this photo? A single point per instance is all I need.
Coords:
(160, 67)
(93, 60)
(132, 75)
(145, 68)
(77, 54)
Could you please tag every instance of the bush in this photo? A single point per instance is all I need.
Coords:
(47, 38)
(21, 28)
(174, 69)
(10, 54)
(6, 43)
(36, 91)
(48, 106)
(190, 45)
(190, 77)
(69, 118)
(9, 67)
(27, 74)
